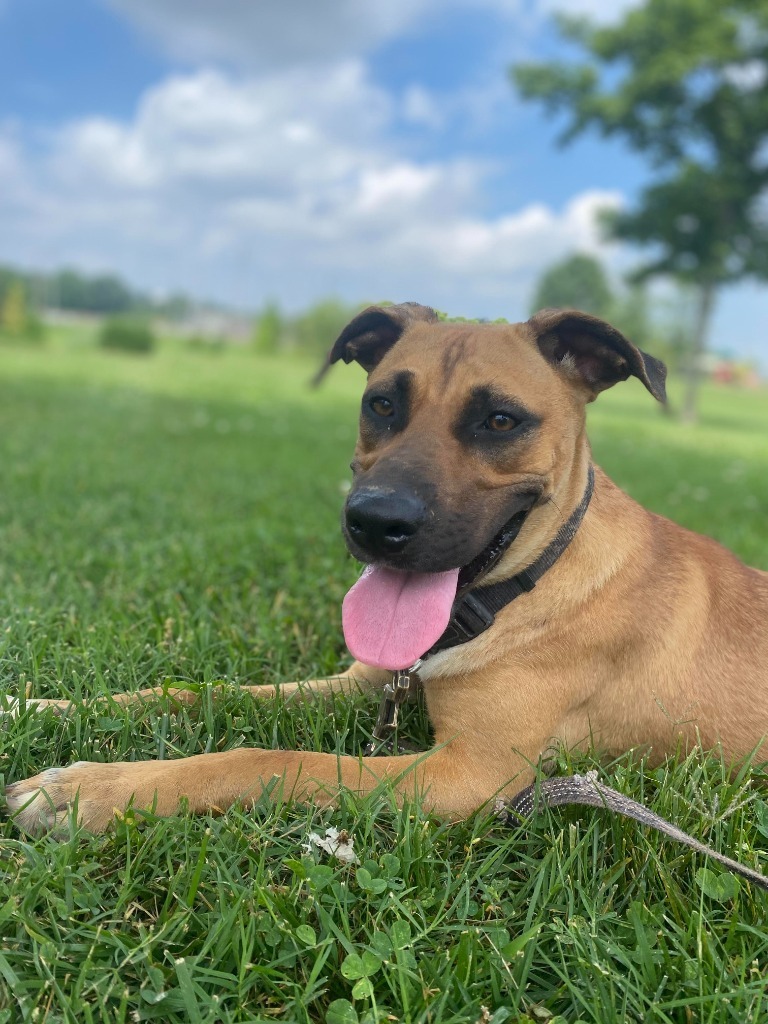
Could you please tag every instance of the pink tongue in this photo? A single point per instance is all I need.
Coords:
(391, 618)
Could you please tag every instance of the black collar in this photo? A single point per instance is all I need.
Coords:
(475, 610)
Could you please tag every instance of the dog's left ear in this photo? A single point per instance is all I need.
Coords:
(372, 333)
(595, 353)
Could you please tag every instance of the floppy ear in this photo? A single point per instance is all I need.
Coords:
(372, 333)
(593, 352)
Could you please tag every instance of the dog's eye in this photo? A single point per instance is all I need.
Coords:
(500, 421)
(382, 406)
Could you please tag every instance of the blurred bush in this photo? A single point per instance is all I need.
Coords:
(127, 334)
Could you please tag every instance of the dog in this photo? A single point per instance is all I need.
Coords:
(473, 468)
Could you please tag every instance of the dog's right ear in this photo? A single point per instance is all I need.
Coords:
(368, 338)
(594, 353)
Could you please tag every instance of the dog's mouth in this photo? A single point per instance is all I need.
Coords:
(391, 617)
(471, 574)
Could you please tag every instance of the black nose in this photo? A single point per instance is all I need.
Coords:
(383, 523)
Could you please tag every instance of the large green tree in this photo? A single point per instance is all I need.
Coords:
(685, 83)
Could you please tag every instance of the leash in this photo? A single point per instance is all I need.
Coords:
(586, 791)
(395, 694)
(474, 612)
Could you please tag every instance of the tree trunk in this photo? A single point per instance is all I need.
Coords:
(698, 348)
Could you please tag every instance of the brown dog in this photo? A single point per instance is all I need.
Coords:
(640, 633)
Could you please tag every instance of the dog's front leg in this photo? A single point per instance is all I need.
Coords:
(213, 782)
(358, 678)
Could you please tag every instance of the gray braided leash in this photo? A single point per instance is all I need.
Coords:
(587, 791)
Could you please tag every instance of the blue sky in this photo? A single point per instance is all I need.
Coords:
(248, 150)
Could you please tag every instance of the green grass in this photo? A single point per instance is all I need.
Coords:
(176, 518)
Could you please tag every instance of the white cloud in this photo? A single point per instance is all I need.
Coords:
(10, 164)
(290, 184)
(487, 267)
(260, 34)
(420, 106)
(263, 34)
(215, 130)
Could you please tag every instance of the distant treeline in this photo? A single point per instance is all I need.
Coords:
(660, 326)
(100, 294)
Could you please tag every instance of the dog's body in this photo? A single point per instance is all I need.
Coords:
(642, 634)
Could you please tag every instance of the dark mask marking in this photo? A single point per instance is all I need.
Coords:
(398, 389)
(453, 355)
(482, 402)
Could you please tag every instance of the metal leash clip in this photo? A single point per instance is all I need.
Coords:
(395, 693)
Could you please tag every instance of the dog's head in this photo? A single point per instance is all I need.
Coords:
(465, 425)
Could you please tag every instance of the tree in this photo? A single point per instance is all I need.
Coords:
(268, 331)
(578, 282)
(13, 316)
(685, 83)
(581, 282)
(108, 294)
(69, 290)
(326, 319)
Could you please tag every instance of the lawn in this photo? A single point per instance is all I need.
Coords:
(175, 518)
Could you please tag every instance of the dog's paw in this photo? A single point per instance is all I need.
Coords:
(96, 791)
(43, 802)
